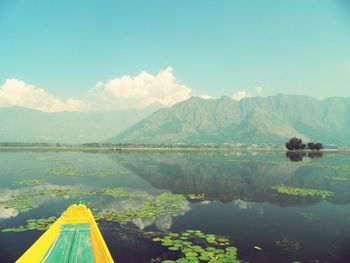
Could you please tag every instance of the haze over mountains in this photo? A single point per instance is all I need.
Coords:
(251, 120)
(32, 126)
(194, 121)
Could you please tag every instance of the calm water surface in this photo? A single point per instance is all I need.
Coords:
(239, 201)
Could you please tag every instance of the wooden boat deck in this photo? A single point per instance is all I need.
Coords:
(72, 245)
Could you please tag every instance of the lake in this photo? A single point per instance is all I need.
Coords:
(251, 198)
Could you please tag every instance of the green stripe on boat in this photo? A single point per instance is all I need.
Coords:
(73, 245)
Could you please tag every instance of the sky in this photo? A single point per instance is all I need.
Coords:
(105, 55)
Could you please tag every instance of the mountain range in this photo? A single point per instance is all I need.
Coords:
(251, 120)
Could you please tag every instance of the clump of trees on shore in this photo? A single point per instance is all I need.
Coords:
(297, 144)
(315, 146)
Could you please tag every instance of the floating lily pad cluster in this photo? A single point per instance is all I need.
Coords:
(196, 246)
(70, 192)
(102, 173)
(344, 168)
(340, 178)
(30, 182)
(296, 191)
(33, 224)
(24, 202)
(64, 171)
(164, 204)
(21, 203)
(120, 192)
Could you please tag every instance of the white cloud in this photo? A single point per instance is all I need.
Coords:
(144, 89)
(241, 94)
(17, 93)
(99, 84)
(206, 97)
(258, 89)
(246, 93)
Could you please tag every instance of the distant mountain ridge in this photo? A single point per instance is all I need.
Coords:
(32, 126)
(251, 120)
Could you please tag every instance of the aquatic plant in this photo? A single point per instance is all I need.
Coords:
(296, 191)
(21, 203)
(196, 246)
(64, 171)
(120, 192)
(340, 178)
(33, 224)
(30, 182)
(70, 192)
(102, 173)
(25, 201)
(343, 168)
(164, 204)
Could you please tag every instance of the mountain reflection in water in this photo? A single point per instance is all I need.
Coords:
(247, 176)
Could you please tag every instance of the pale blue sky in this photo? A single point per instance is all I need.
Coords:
(214, 47)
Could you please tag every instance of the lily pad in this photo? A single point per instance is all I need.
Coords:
(33, 224)
(196, 249)
(164, 204)
(296, 191)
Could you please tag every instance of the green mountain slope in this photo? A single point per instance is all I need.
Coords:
(251, 120)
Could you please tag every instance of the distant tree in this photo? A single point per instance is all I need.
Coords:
(311, 145)
(289, 146)
(318, 146)
(314, 146)
(295, 144)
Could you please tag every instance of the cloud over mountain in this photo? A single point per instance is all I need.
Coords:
(126, 92)
(18, 93)
(121, 93)
(241, 94)
(144, 89)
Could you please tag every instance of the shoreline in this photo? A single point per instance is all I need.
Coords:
(161, 149)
